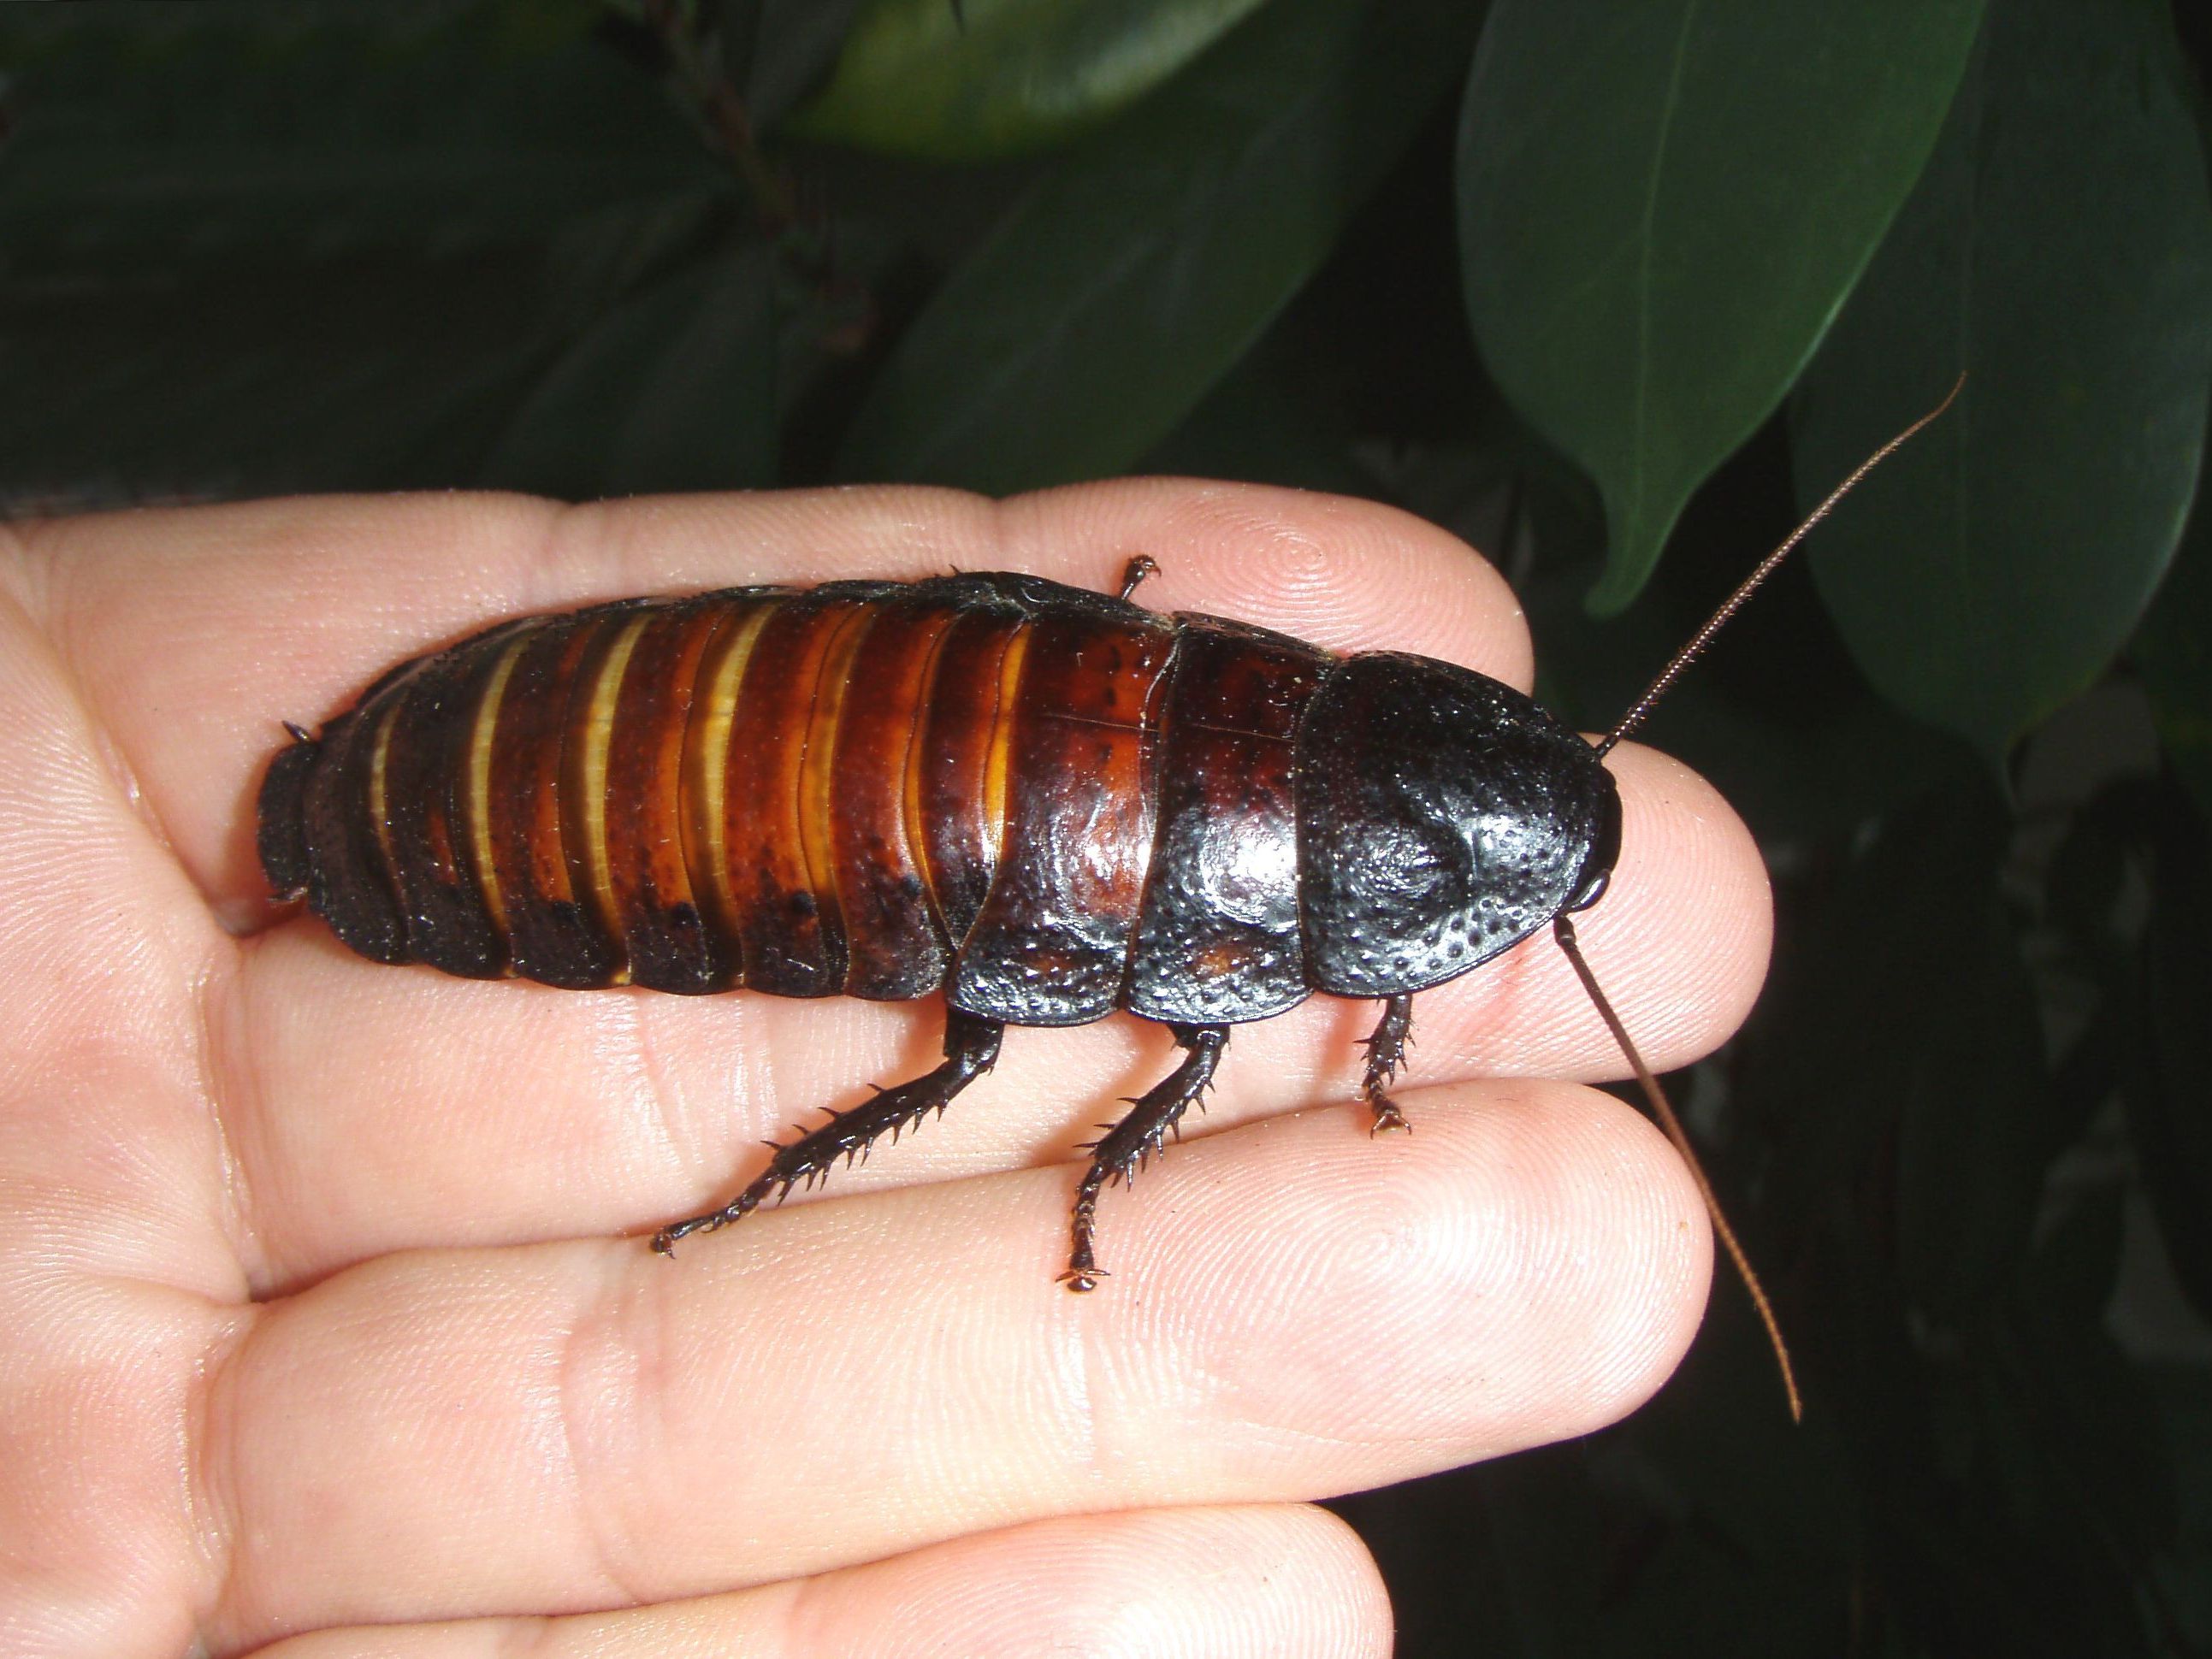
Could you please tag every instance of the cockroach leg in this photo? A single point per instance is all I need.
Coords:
(1130, 1142)
(971, 1049)
(1386, 1054)
(1134, 573)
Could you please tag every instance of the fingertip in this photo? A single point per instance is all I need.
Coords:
(1329, 1553)
(1230, 1580)
(1679, 943)
(1529, 1265)
(1690, 871)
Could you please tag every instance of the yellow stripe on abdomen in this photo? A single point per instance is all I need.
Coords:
(481, 733)
(597, 733)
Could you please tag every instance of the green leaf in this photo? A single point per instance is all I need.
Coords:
(1267, 421)
(1779, 717)
(377, 373)
(182, 134)
(991, 78)
(673, 389)
(254, 248)
(1660, 207)
(777, 51)
(1130, 277)
(2059, 250)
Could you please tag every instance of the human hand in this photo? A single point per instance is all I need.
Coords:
(320, 1307)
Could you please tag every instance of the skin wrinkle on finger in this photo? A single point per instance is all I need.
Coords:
(654, 1089)
(1213, 1396)
(634, 1396)
(98, 1547)
(1264, 1582)
(116, 1262)
(104, 1127)
(210, 1464)
(25, 601)
(244, 583)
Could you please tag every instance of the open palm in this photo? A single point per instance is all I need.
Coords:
(321, 1304)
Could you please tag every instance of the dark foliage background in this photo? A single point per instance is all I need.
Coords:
(1614, 291)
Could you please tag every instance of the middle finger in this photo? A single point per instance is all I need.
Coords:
(1298, 1310)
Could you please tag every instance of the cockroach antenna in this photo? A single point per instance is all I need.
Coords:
(1640, 708)
(1563, 926)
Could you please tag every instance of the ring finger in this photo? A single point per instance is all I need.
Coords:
(1297, 1309)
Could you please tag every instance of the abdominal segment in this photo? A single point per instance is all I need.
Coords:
(1049, 803)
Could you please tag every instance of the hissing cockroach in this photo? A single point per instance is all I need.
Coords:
(1046, 803)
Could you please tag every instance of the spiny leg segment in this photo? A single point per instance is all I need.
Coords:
(1386, 1054)
(971, 1049)
(1130, 1143)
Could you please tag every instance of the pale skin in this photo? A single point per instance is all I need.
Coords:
(327, 1326)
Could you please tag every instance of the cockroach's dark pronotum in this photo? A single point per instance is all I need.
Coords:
(1049, 804)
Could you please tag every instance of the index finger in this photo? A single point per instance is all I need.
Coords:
(193, 633)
